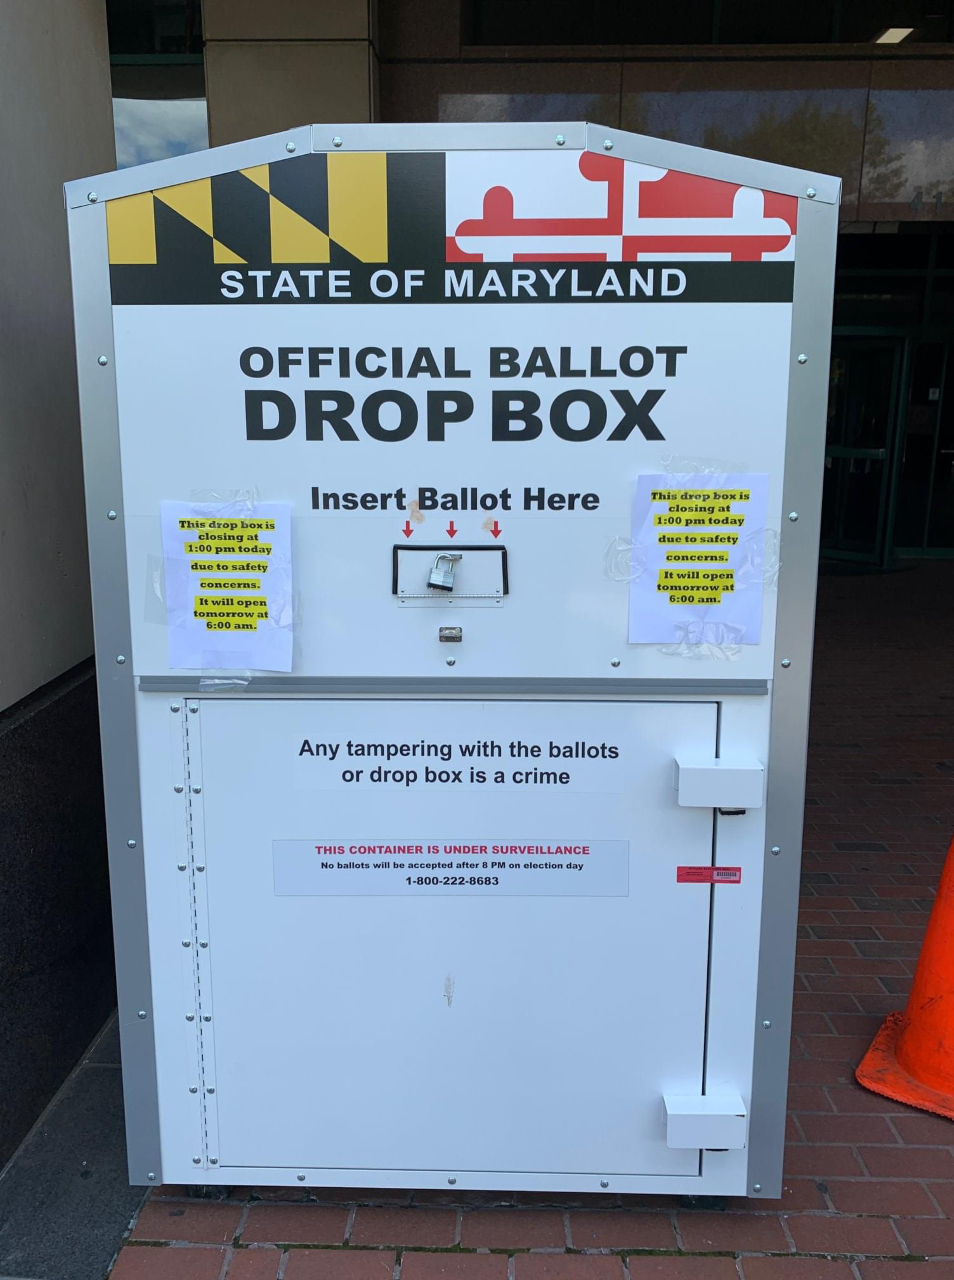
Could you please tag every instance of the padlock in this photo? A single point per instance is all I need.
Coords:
(443, 578)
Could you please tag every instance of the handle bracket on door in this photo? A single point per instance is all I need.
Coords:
(709, 782)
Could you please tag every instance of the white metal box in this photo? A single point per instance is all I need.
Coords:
(453, 499)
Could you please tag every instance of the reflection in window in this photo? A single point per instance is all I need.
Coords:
(155, 128)
(482, 107)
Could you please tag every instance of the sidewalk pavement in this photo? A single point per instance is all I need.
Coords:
(869, 1184)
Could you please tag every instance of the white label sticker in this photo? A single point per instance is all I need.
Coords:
(445, 868)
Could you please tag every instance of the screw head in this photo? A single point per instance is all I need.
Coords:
(202, 868)
(103, 360)
(212, 1160)
(130, 844)
(194, 707)
(196, 791)
(206, 1017)
(786, 662)
(811, 193)
(560, 140)
(452, 662)
(186, 942)
(141, 1014)
(151, 1177)
(181, 866)
(120, 659)
(757, 1186)
(604, 1183)
(110, 515)
(451, 1182)
(290, 147)
(766, 1023)
(196, 1159)
(190, 1017)
(210, 1091)
(301, 1177)
(203, 944)
(92, 197)
(178, 788)
(614, 662)
(193, 1088)
(793, 516)
(175, 708)
(336, 141)
(607, 145)
(803, 359)
(775, 850)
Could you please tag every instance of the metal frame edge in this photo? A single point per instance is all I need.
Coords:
(791, 691)
(92, 310)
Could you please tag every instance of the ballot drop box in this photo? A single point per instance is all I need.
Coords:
(453, 498)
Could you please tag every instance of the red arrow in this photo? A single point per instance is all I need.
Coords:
(407, 529)
(495, 529)
(451, 531)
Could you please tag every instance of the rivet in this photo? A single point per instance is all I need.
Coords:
(178, 788)
(110, 515)
(141, 1014)
(92, 197)
(614, 662)
(186, 942)
(793, 516)
(196, 1159)
(811, 193)
(336, 141)
(290, 147)
(757, 1186)
(775, 850)
(196, 791)
(210, 1091)
(452, 662)
(560, 140)
(604, 1183)
(103, 360)
(175, 707)
(301, 1177)
(766, 1023)
(607, 145)
(786, 662)
(202, 868)
(193, 1088)
(452, 1182)
(120, 658)
(182, 866)
(203, 944)
(193, 707)
(213, 1161)
(190, 1017)
(130, 844)
(803, 359)
(206, 1017)
(151, 1177)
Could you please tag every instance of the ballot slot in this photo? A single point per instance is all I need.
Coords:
(466, 576)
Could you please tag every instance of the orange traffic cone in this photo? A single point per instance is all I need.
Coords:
(911, 1059)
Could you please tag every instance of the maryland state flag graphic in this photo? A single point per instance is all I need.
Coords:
(339, 226)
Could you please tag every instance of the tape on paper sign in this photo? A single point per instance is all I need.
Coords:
(708, 875)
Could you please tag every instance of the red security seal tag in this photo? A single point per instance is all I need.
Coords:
(708, 875)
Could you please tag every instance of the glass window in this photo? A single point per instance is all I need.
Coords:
(154, 128)
(894, 21)
(918, 445)
(755, 22)
(941, 519)
(160, 28)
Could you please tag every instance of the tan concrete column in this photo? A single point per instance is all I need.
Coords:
(285, 63)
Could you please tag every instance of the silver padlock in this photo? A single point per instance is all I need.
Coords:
(443, 577)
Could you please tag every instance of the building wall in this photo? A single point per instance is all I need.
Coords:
(292, 62)
(55, 945)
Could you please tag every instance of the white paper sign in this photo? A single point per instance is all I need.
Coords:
(698, 559)
(228, 585)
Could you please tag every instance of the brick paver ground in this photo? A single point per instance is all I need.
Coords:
(869, 1186)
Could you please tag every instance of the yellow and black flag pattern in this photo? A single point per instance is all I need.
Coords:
(344, 210)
